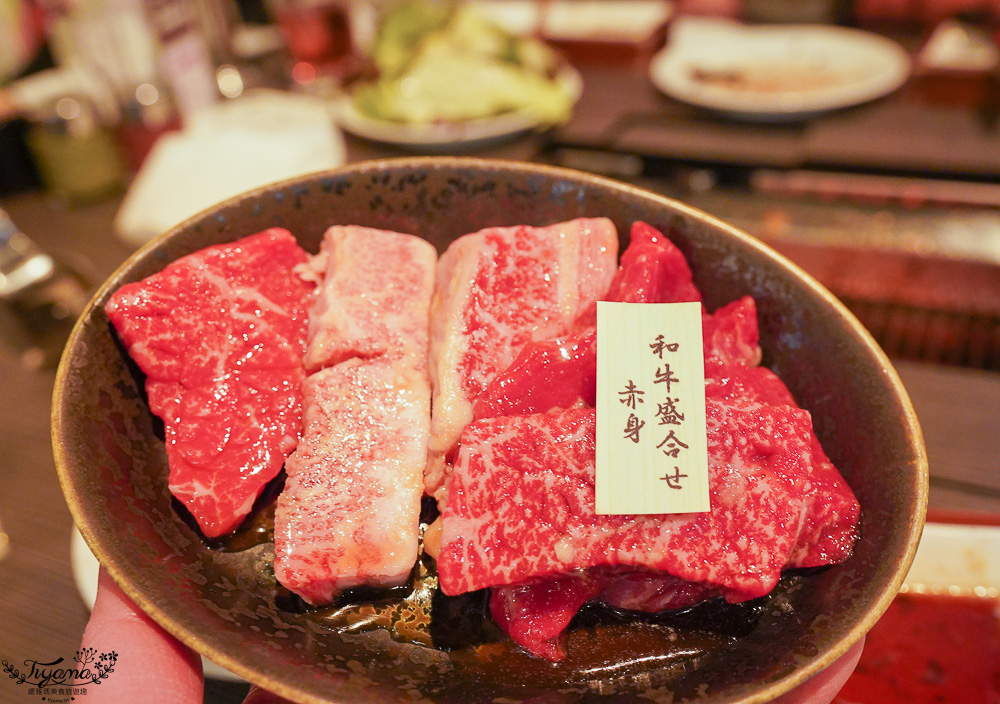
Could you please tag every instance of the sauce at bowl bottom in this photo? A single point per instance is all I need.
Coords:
(603, 644)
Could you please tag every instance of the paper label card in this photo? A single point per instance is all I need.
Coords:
(652, 447)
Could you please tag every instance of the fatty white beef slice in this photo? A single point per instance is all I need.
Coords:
(349, 512)
(497, 290)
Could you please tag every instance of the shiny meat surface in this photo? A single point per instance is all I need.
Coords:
(349, 512)
(550, 374)
(220, 336)
(543, 523)
(373, 296)
(536, 614)
(497, 290)
(652, 270)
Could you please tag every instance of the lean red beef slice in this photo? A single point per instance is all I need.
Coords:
(220, 336)
(349, 511)
(535, 615)
(497, 290)
(562, 372)
(652, 270)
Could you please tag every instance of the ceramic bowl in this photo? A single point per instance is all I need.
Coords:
(224, 602)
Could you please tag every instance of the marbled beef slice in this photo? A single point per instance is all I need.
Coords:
(497, 290)
(349, 511)
(220, 336)
(521, 505)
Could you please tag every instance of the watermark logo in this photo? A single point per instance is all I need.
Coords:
(56, 682)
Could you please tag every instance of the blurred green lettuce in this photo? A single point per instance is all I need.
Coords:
(444, 62)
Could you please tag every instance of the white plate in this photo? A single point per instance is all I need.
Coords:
(448, 137)
(776, 72)
(956, 558)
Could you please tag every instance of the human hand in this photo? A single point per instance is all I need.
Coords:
(155, 668)
(823, 687)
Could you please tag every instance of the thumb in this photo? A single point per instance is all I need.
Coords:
(151, 665)
(823, 687)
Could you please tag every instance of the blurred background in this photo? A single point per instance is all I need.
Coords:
(859, 138)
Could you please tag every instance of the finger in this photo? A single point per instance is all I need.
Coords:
(822, 688)
(151, 666)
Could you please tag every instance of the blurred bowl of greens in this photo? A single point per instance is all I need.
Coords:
(447, 77)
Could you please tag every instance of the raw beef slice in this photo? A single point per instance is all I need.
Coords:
(536, 614)
(560, 373)
(220, 336)
(652, 270)
(498, 289)
(373, 296)
(521, 505)
(349, 512)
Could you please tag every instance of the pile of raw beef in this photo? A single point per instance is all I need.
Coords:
(375, 372)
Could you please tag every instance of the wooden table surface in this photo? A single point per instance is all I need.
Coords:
(41, 613)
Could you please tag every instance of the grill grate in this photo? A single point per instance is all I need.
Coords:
(941, 336)
(918, 307)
